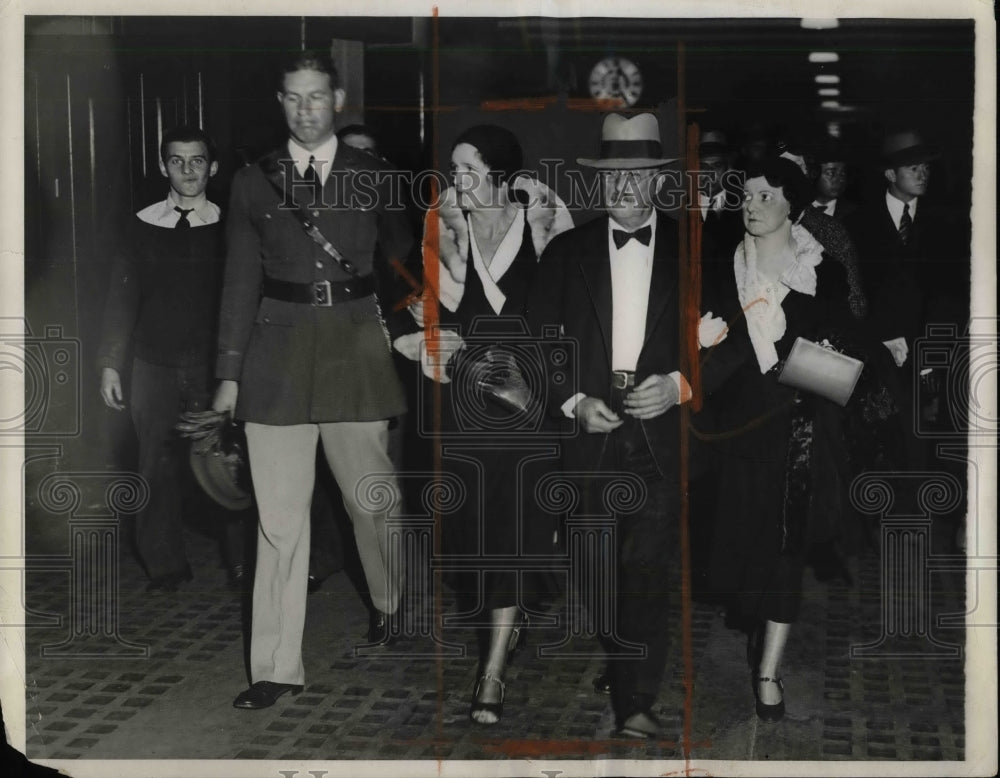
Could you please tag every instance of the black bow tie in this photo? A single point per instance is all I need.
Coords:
(621, 237)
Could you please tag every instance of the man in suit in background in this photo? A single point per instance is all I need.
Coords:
(304, 355)
(720, 200)
(611, 285)
(831, 181)
(915, 261)
(908, 245)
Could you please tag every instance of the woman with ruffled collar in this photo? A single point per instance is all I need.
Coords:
(765, 435)
(482, 242)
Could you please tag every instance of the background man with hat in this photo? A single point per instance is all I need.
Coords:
(915, 260)
(720, 199)
(304, 355)
(612, 286)
(907, 244)
(161, 308)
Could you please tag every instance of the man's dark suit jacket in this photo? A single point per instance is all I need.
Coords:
(844, 208)
(905, 283)
(296, 363)
(572, 289)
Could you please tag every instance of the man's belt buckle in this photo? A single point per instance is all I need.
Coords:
(321, 294)
(622, 379)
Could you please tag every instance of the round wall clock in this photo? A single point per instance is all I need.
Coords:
(616, 77)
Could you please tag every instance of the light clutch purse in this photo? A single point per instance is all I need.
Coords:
(823, 371)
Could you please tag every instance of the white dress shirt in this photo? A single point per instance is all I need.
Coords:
(895, 206)
(162, 214)
(631, 272)
(323, 155)
(827, 208)
(714, 203)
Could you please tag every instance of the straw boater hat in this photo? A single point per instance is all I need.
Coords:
(905, 148)
(629, 143)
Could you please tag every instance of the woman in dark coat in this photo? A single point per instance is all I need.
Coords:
(491, 231)
(764, 433)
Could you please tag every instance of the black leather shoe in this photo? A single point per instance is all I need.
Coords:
(314, 583)
(169, 582)
(263, 694)
(641, 724)
(236, 575)
(379, 628)
(602, 684)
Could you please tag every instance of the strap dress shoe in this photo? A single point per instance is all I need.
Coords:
(264, 694)
(380, 628)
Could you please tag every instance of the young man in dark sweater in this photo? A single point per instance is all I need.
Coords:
(162, 307)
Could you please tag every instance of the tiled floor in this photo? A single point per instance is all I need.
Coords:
(160, 684)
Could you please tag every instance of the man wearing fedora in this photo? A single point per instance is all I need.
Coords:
(612, 286)
(908, 245)
(915, 262)
(304, 356)
(720, 201)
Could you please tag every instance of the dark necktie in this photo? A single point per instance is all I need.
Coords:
(182, 222)
(311, 178)
(621, 237)
(905, 224)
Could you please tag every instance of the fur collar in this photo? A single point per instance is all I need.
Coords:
(546, 213)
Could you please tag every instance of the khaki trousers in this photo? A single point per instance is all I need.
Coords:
(282, 464)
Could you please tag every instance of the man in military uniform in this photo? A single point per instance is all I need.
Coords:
(304, 355)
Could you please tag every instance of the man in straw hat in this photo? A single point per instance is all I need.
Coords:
(612, 286)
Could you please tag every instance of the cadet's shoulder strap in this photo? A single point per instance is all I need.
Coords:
(276, 178)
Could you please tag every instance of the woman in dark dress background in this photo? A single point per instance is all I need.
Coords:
(492, 230)
(764, 432)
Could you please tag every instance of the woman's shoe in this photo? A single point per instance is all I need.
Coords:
(517, 635)
(478, 706)
(765, 711)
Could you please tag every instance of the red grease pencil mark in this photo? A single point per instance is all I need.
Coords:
(431, 318)
(689, 251)
(518, 104)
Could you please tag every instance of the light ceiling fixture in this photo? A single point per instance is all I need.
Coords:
(833, 105)
(822, 57)
(834, 92)
(820, 24)
(827, 79)
(833, 128)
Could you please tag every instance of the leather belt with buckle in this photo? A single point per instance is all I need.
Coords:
(622, 379)
(322, 294)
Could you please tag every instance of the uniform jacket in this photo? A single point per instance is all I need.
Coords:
(572, 289)
(297, 363)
